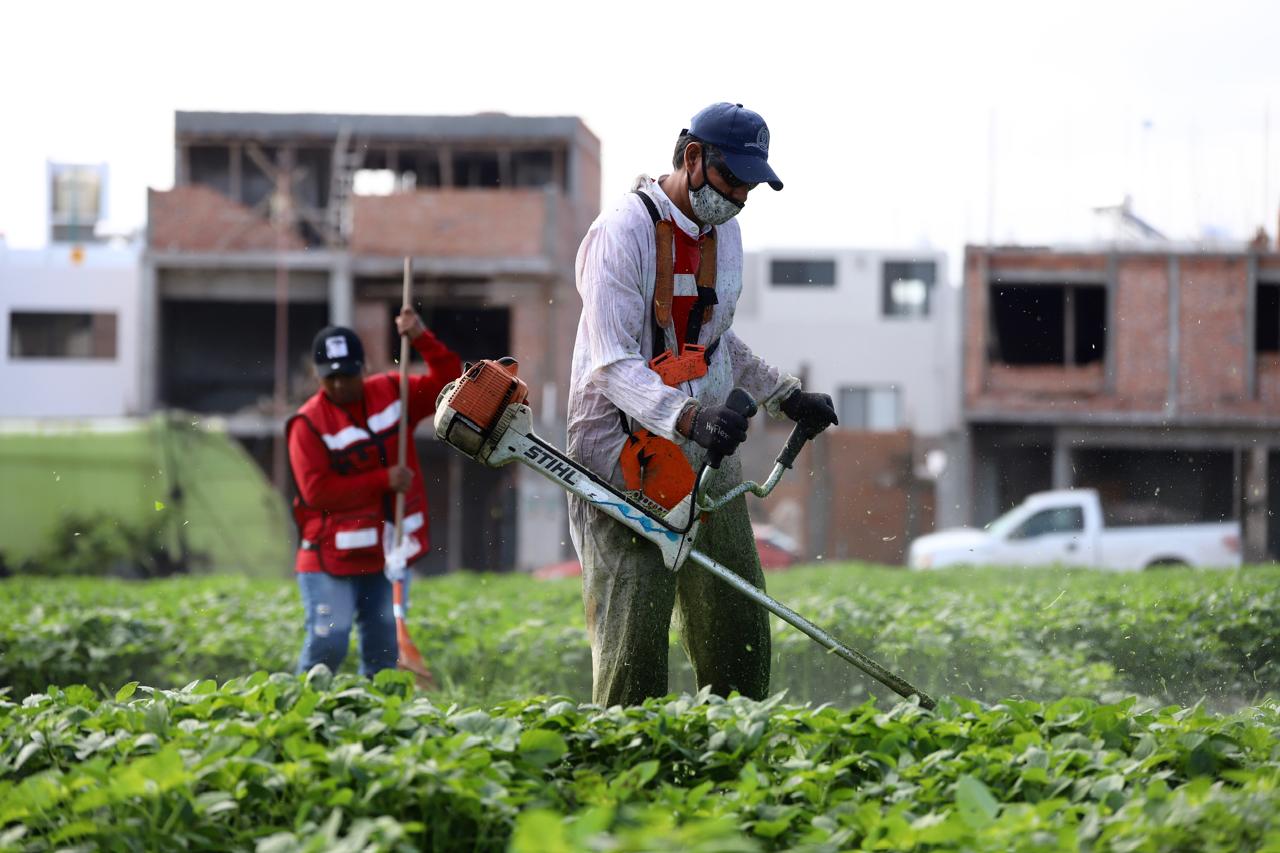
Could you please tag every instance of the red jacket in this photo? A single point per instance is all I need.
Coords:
(339, 456)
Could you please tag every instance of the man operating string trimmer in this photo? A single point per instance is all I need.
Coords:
(654, 361)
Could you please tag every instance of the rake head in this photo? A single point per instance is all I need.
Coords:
(410, 658)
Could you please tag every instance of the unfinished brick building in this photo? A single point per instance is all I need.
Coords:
(316, 212)
(1151, 374)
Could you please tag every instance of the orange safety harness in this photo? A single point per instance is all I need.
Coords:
(651, 465)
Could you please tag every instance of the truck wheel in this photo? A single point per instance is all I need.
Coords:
(1167, 563)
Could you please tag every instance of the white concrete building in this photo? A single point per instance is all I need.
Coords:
(69, 343)
(876, 329)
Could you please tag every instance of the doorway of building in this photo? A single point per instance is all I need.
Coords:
(220, 356)
(1159, 486)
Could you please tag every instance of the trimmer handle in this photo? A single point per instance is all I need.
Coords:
(795, 443)
(742, 403)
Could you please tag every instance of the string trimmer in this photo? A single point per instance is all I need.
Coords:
(484, 415)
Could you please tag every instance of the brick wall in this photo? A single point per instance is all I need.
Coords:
(373, 324)
(451, 223)
(860, 483)
(1213, 361)
(534, 345)
(1141, 347)
(1045, 381)
(586, 198)
(1047, 262)
(1211, 325)
(974, 346)
(872, 495)
(199, 219)
(1269, 381)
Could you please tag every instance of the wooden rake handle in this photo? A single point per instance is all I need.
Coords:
(402, 439)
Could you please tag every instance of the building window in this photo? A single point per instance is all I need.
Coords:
(382, 182)
(257, 184)
(476, 169)
(816, 273)
(908, 288)
(875, 409)
(419, 169)
(1058, 324)
(533, 168)
(61, 335)
(1266, 319)
(210, 166)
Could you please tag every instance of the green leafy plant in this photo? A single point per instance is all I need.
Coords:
(319, 762)
(1172, 637)
(1079, 710)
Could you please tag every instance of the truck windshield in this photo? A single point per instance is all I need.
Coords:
(1003, 525)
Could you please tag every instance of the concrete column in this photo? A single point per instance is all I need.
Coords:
(542, 521)
(235, 155)
(818, 503)
(506, 173)
(342, 291)
(564, 171)
(1062, 478)
(1175, 332)
(445, 155)
(551, 224)
(148, 336)
(1112, 331)
(1069, 326)
(952, 495)
(181, 165)
(986, 486)
(1254, 514)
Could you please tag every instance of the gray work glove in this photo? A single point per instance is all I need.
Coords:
(719, 429)
(815, 412)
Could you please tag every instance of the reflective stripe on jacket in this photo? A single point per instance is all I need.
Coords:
(349, 541)
(339, 458)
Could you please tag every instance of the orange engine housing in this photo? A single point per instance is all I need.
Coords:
(486, 389)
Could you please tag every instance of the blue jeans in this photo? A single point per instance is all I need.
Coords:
(332, 603)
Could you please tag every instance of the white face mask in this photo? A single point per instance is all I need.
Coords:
(709, 204)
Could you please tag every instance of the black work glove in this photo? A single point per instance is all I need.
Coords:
(814, 412)
(719, 429)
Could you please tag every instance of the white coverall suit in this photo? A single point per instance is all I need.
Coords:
(628, 594)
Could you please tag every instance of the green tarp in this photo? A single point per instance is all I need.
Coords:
(223, 507)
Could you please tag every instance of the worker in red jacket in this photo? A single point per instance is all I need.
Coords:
(343, 456)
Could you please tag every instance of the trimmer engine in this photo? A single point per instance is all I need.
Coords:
(474, 410)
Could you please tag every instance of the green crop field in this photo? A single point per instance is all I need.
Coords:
(1082, 711)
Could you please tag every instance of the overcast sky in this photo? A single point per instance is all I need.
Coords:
(886, 119)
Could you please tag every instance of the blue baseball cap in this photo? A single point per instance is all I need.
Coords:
(743, 138)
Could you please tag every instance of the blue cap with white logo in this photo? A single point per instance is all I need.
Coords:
(743, 138)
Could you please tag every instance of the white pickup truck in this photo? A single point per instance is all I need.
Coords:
(1065, 528)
